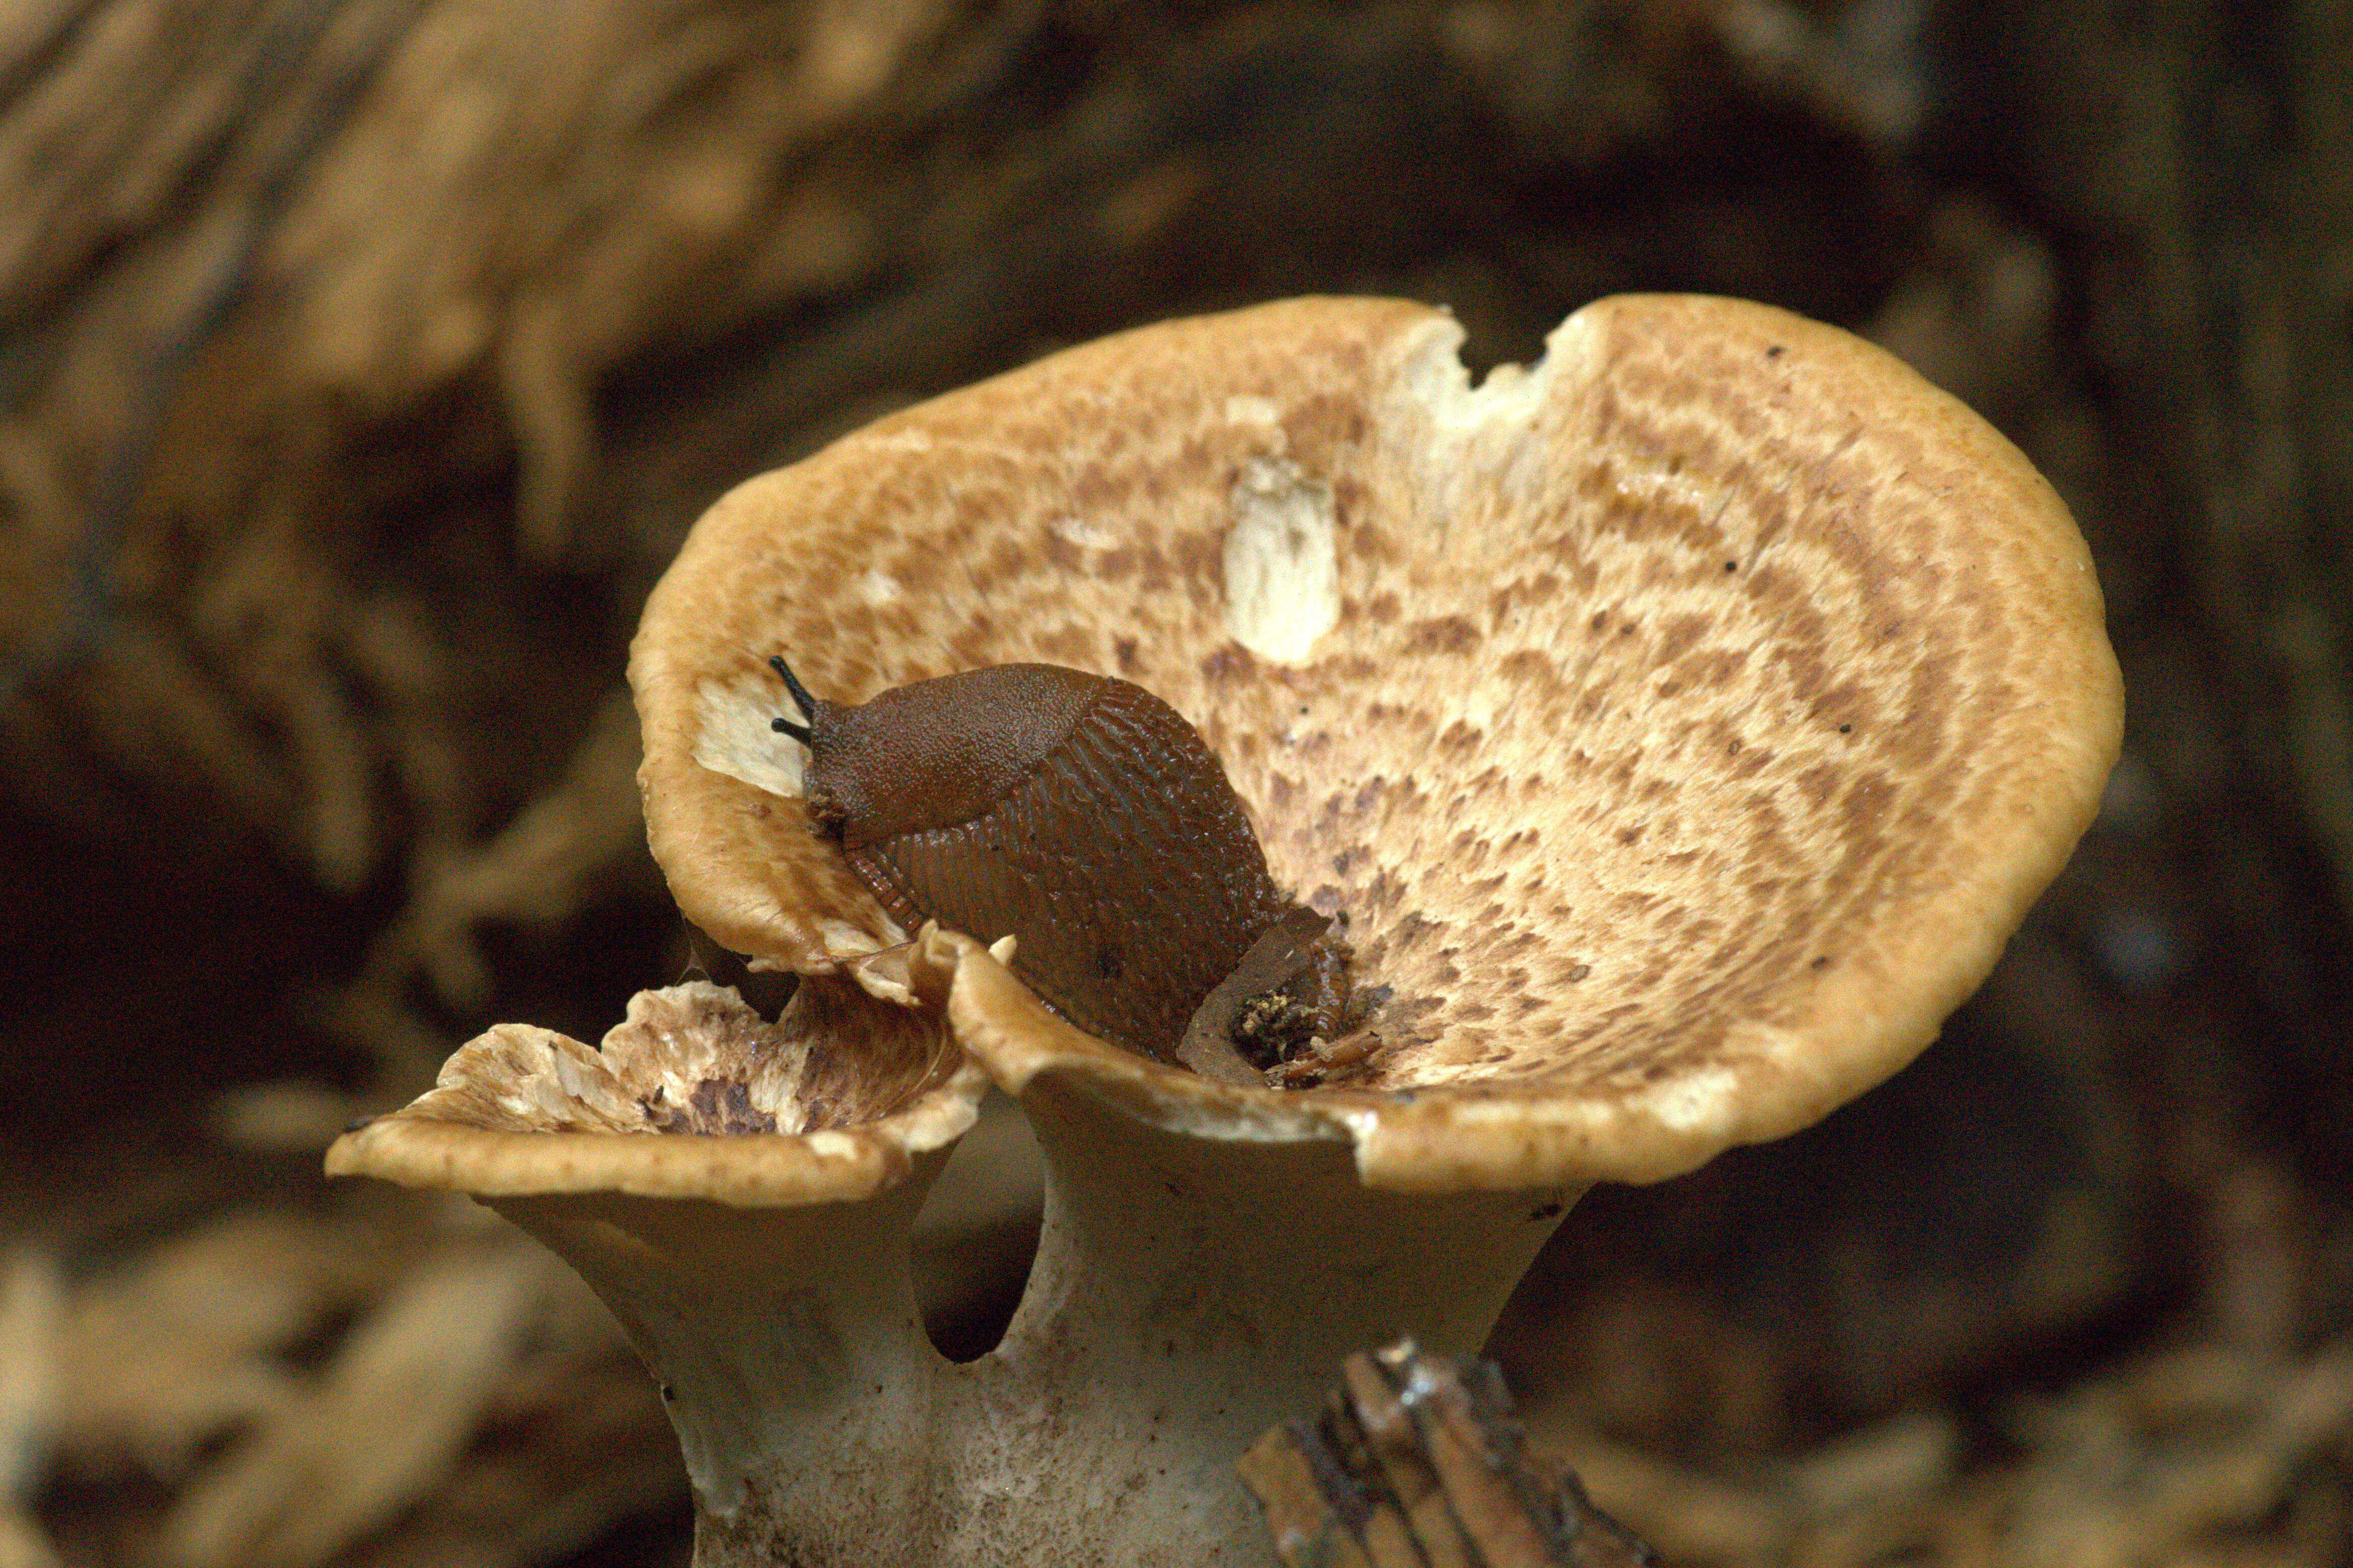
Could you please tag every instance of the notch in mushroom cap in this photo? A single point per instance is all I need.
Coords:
(1681, 725)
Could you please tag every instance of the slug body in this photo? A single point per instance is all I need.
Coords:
(1076, 813)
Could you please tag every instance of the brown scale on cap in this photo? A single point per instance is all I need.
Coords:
(1084, 817)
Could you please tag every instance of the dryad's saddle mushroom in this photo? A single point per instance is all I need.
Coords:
(1671, 732)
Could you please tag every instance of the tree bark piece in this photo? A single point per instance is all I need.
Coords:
(1416, 1462)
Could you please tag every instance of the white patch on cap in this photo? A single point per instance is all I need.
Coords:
(1478, 444)
(1701, 1101)
(1283, 562)
(733, 733)
(1082, 534)
(878, 588)
(1248, 410)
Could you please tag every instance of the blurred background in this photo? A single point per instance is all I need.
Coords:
(363, 361)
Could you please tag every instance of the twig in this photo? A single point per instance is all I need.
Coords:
(1417, 1463)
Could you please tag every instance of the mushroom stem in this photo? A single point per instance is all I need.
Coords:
(791, 1357)
(1191, 1291)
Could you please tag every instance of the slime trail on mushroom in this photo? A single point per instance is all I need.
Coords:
(1084, 817)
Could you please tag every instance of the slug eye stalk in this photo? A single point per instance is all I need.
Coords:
(807, 703)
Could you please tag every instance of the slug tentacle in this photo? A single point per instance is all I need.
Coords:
(782, 725)
(1084, 816)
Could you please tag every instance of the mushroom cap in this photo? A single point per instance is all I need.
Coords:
(853, 1090)
(1682, 724)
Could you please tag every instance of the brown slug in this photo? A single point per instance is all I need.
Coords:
(1084, 817)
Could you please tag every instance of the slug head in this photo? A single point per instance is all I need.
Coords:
(934, 754)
